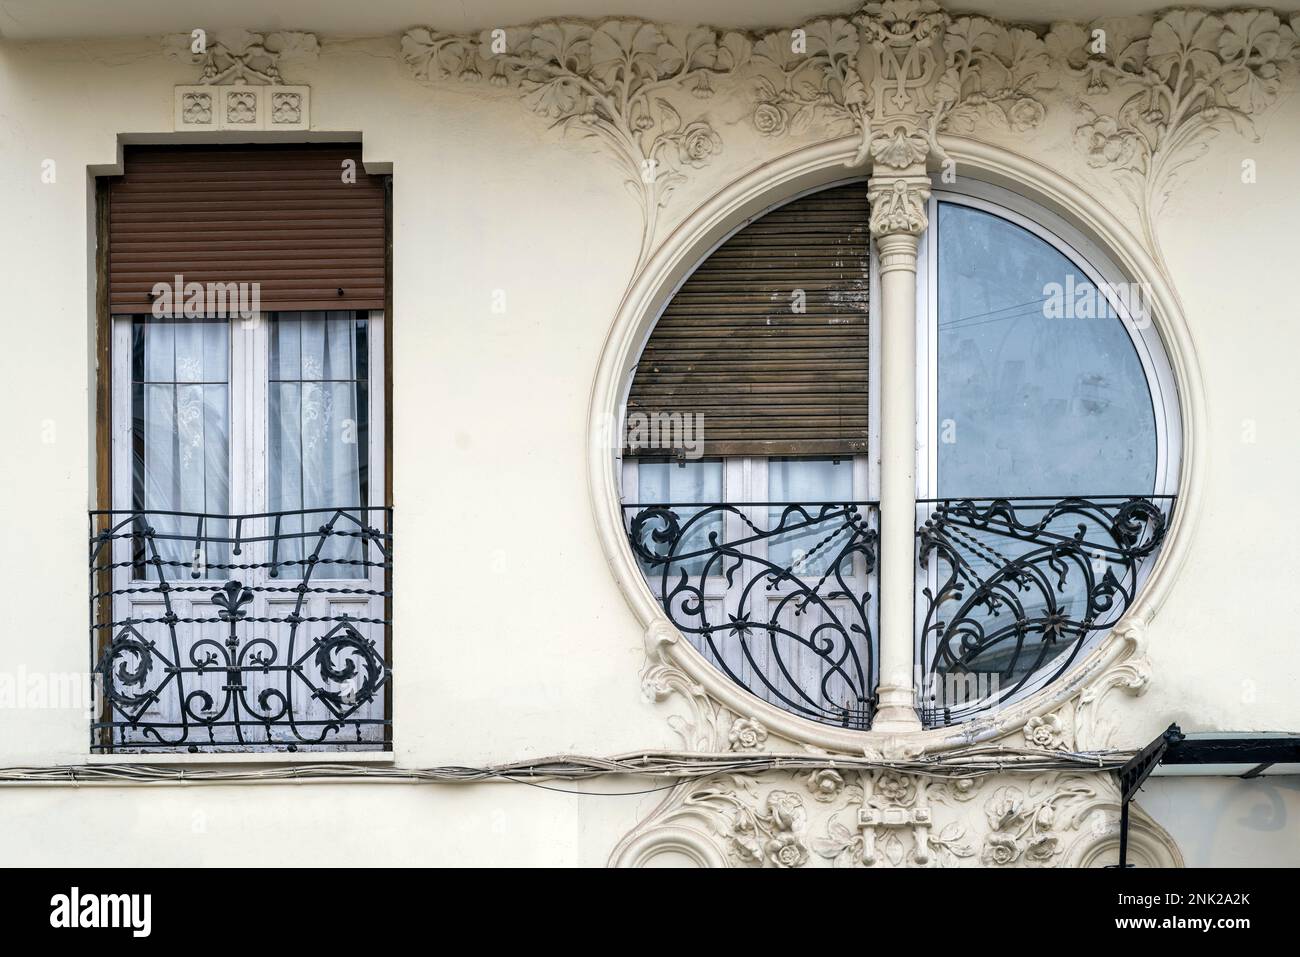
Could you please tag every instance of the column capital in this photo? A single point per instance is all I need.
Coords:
(898, 204)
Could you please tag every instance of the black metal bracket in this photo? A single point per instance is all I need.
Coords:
(1134, 774)
(1253, 752)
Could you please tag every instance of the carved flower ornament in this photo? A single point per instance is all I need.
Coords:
(1045, 731)
(746, 735)
(825, 784)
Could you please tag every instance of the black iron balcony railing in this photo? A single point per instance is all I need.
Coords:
(1010, 592)
(238, 632)
(1014, 589)
(777, 596)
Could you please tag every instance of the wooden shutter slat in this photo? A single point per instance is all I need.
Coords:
(768, 380)
(280, 216)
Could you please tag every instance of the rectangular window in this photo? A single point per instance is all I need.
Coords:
(248, 452)
(240, 569)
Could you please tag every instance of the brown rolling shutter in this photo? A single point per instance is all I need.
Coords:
(768, 379)
(281, 216)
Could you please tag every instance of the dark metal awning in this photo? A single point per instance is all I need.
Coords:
(1243, 754)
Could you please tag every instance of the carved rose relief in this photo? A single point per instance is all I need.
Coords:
(1025, 823)
(611, 81)
(897, 74)
(1156, 90)
(1045, 731)
(825, 784)
(746, 735)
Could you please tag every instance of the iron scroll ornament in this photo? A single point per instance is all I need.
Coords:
(268, 687)
(784, 609)
(1015, 589)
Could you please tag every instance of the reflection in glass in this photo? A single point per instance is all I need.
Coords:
(1030, 402)
(666, 481)
(317, 433)
(180, 432)
(1027, 404)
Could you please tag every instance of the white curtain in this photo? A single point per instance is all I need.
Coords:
(182, 431)
(316, 433)
(807, 482)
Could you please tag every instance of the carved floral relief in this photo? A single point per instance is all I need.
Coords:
(240, 85)
(887, 819)
(1140, 98)
(1155, 90)
(610, 82)
(1148, 95)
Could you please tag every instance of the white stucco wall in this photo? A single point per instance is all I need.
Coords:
(512, 639)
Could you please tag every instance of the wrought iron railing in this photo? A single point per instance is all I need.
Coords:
(1014, 589)
(777, 596)
(237, 632)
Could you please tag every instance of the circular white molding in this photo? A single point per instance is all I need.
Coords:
(1149, 844)
(780, 180)
(677, 843)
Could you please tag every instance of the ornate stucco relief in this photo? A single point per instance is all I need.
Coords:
(1028, 815)
(1151, 92)
(1083, 721)
(884, 818)
(611, 81)
(894, 76)
(1147, 92)
(240, 86)
(896, 73)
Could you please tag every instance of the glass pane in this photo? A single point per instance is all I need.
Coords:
(181, 437)
(806, 482)
(1028, 403)
(1040, 393)
(665, 482)
(317, 438)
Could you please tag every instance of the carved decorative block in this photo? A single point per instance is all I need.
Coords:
(242, 108)
(196, 108)
(240, 86)
(289, 108)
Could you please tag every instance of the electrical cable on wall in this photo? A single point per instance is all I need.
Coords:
(967, 762)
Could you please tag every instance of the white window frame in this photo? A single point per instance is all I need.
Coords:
(249, 408)
(249, 393)
(1100, 270)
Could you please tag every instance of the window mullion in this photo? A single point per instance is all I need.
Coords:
(898, 221)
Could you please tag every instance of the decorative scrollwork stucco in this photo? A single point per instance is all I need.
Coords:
(230, 57)
(1149, 95)
(610, 80)
(1156, 90)
(887, 819)
(898, 73)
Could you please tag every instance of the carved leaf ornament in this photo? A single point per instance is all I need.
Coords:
(1149, 91)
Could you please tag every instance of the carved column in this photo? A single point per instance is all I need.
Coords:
(898, 217)
(900, 63)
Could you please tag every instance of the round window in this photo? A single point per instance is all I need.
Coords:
(1046, 463)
